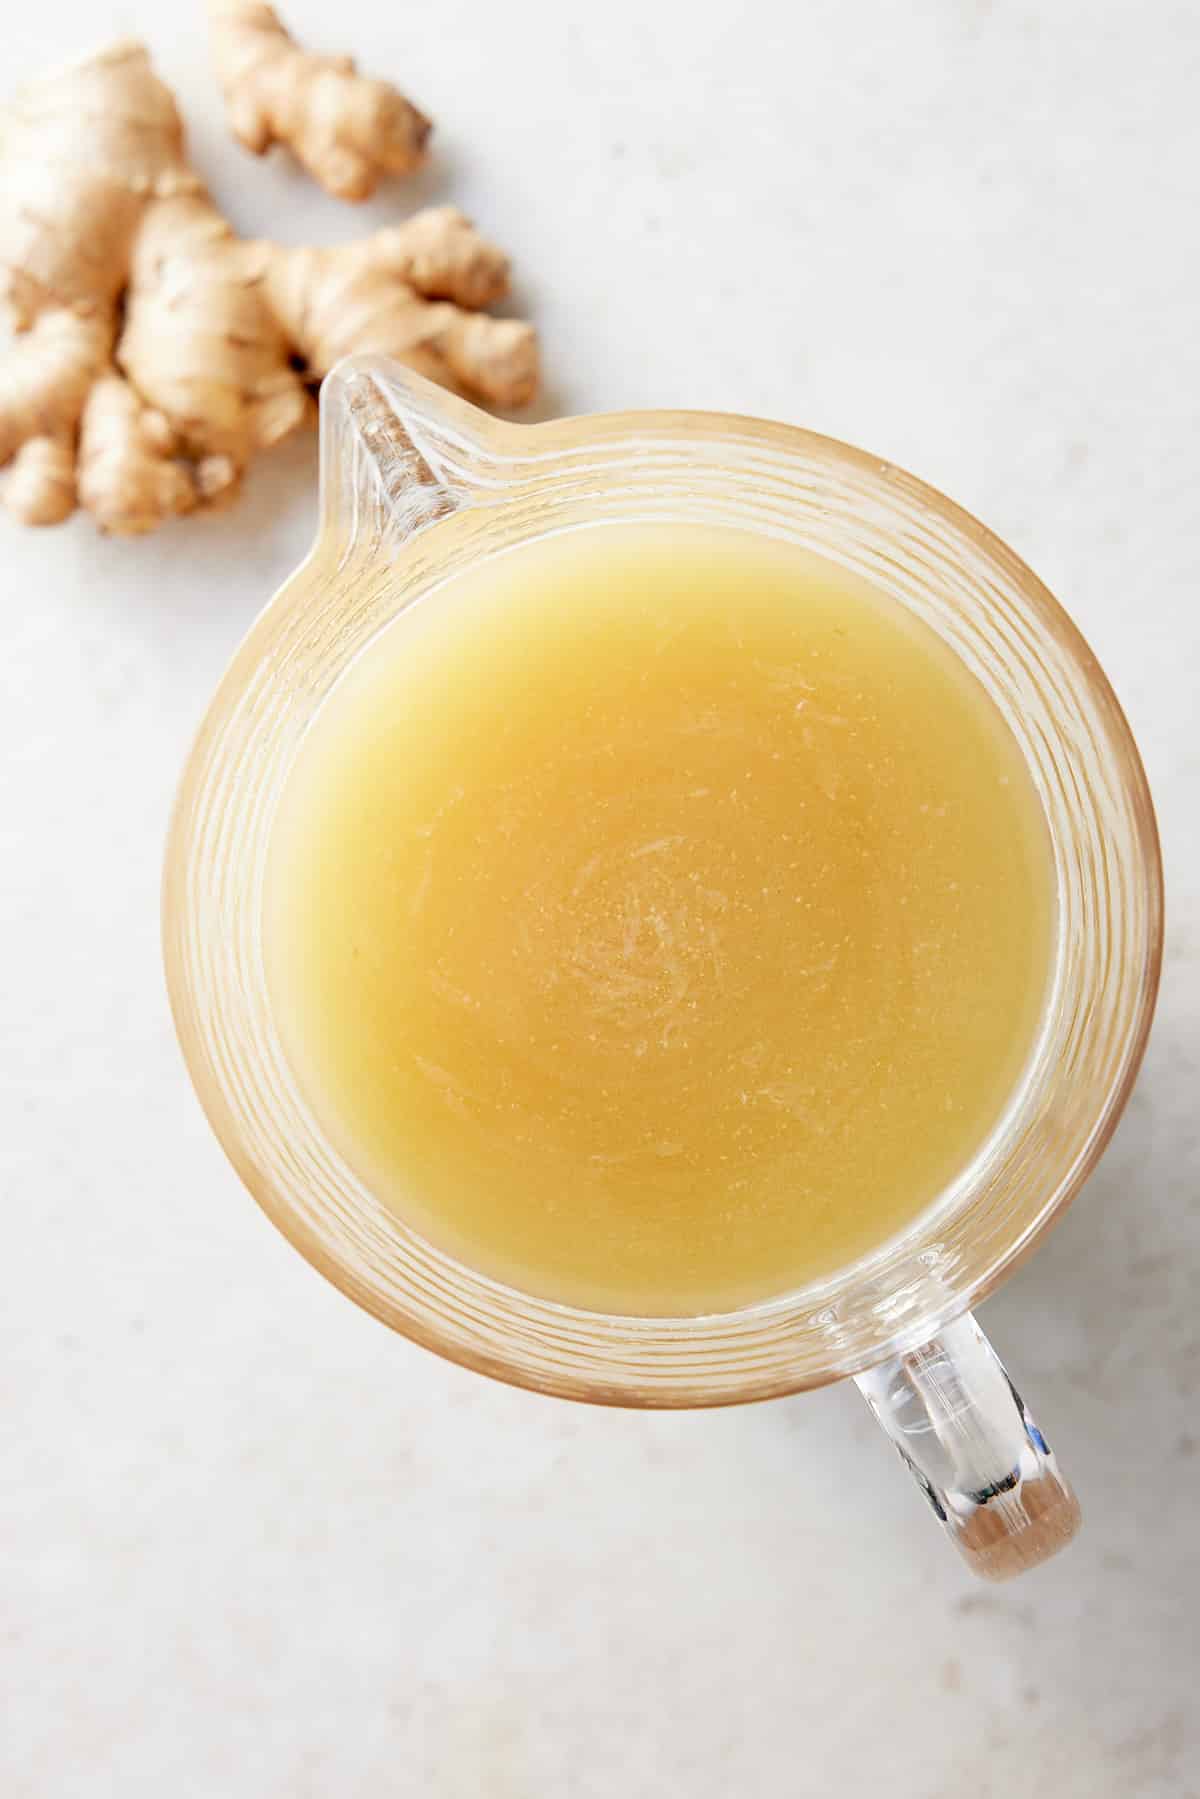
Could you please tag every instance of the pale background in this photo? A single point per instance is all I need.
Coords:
(251, 1545)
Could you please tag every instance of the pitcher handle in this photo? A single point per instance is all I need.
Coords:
(981, 1461)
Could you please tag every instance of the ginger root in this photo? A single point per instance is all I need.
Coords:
(130, 478)
(345, 129)
(153, 352)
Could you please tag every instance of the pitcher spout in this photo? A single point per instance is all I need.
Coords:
(397, 452)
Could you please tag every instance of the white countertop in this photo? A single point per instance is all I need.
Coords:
(252, 1546)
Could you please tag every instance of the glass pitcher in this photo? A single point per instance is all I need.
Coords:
(416, 486)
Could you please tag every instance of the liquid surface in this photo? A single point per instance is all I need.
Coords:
(657, 918)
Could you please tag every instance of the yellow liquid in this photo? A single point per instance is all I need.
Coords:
(658, 918)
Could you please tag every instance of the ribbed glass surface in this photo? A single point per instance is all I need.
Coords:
(415, 487)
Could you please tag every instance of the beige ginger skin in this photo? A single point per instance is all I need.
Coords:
(347, 130)
(152, 352)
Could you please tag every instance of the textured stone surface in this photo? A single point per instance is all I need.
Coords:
(252, 1545)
